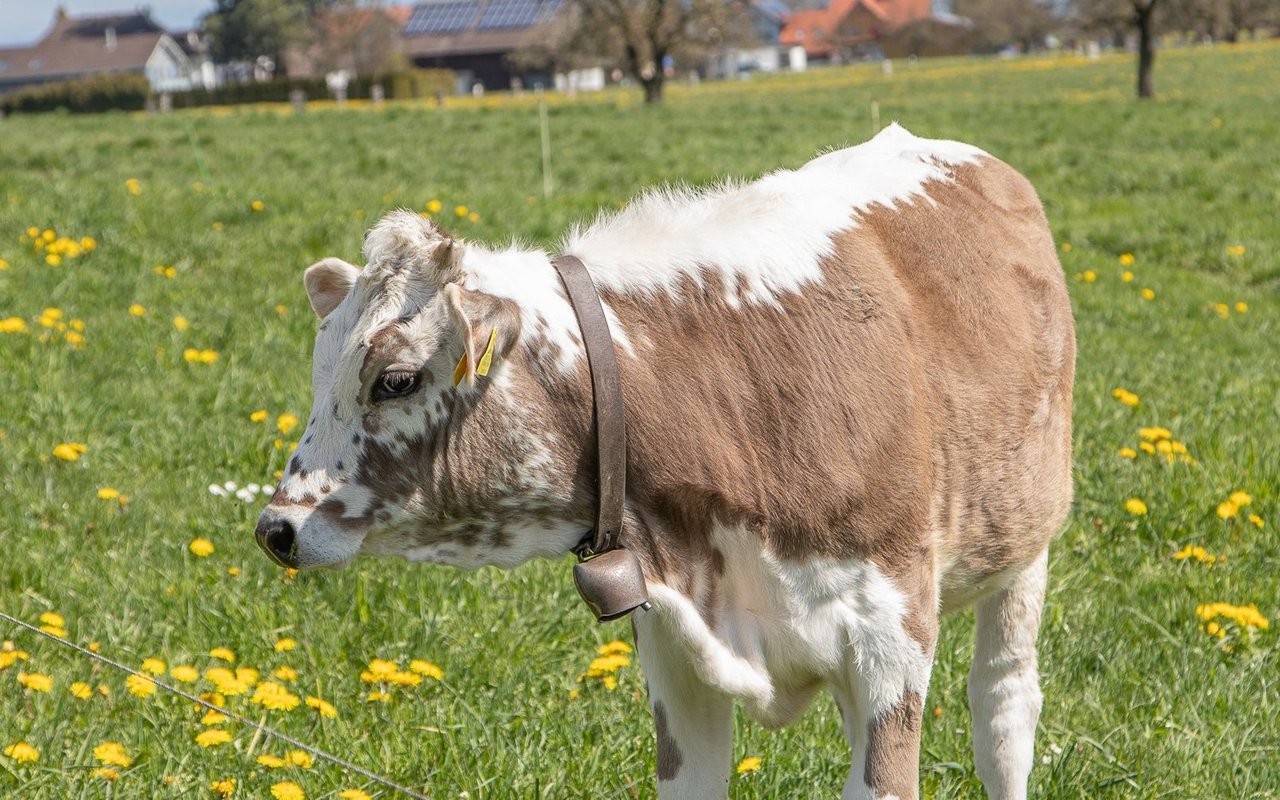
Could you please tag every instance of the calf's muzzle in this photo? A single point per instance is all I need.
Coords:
(277, 538)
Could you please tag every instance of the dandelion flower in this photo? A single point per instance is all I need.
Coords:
(426, 668)
(133, 186)
(140, 686)
(258, 416)
(1241, 307)
(185, 673)
(113, 754)
(1256, 520)
(80, 690)
(213, 718)
(223, 788)
(223, 653)
(1235, 250)
(1126, 397)
(322, 707)
(1128, 452)
(285, 645)
(284, 672)
(13, 325)
(108, 493)
(286, 422)
(1089, 276)
(22, 752)
(1135, 506)
(35, 681)
(257, 205)
(1127, 260)
(300, 758)
(70, 451)
(212, 737)
(107, 774)
(53, 618)
(1240, 498)
(461, 211)
(1227, 509)
(287, 790)
(473, 216)
(379, 669)
(272, 762)
(275, 697)
(181, 323)
(378, 697)
(1126, 276)
(354, 794)
(247, 675)
(137, 310)
(202, 548)
(616, 647)
(154, 665)
(749, 764)
(434, 206)
(1148, 294)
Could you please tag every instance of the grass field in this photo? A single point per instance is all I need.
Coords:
(1141, 701)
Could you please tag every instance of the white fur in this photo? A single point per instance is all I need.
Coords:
(782, 627)
(1004, 684)
(762, 239)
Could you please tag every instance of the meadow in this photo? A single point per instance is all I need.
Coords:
(155, 347)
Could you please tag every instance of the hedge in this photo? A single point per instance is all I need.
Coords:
(131, 92)
(123, 92)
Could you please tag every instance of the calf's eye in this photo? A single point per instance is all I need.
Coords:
(395, 383)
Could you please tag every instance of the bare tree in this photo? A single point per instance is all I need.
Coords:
(1119, 15)
(639, 36)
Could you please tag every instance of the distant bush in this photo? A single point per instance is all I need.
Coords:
(400, 85)
(122, 92)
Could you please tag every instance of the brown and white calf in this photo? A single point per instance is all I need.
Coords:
(848, 397)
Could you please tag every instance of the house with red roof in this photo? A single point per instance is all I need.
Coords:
(849, 28)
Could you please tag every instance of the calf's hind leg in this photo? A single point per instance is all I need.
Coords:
(1004, 685)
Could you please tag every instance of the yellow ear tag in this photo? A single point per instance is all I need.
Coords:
(460, 370)
(486, 360)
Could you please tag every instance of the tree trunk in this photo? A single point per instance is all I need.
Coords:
(1146, 48)
(653, 89)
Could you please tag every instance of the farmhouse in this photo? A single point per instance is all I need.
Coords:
(474, 37)
(77, 47)
(849, 29)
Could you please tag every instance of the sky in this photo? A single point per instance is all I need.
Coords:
(25, 21)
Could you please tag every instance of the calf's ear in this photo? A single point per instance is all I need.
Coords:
(328, 282)
(485, 325)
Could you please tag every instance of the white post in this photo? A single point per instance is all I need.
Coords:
(546, 149)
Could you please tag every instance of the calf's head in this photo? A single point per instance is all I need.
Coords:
(429, 435)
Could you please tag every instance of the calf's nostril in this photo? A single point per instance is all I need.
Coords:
(277, 538)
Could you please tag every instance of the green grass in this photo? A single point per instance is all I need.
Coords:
(1139, 702)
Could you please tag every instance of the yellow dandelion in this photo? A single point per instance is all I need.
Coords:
(354, 794)
(202, 548)
(22, 752)
(275, 697)
(1126, 397)
(35, 681)
(1235, 250)
(258, 416)
(434, 206)
(137, 310)
(212, 737)
(133, 186)
(257, 205)
(69, 451)
(247, 675)
(1089, 276)
(185, 673)
(281, 310)
(107, 774)
(80, 690)
(1227, 509)
(1126, 276)
(108, 493)
(140, 686)
(53, 618)
(181, 323)
(285, 672)
(749, 764)
(53, 259)
(1240, 498)
(322, 707)
(285, 645)
(154, 665)
(380, 668)
(378, 697)
(1256, 520)
(1242, 307)
(1127, 260)
(223, 788)
(233, 571)
(300, 758)
(461, 211)
(272, 762)
(212, 717)
(1128, 452)
(426, 668)
(113, 754)
(287, 790)
(1135, 506)
(286, 422)
(399, 678)
(1148, 294)
(13, 325)
(616, 647)
(224, 654)
(473, 216)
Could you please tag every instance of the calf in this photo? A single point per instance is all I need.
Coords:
(848, 401)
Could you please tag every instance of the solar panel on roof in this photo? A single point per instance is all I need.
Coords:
(449, 16)
(501, 14)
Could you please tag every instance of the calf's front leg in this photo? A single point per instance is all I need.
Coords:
(693, 721)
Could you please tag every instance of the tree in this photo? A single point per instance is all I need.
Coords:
(639, 36)
(1119, 15)
(246, 30)
(998, 23)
